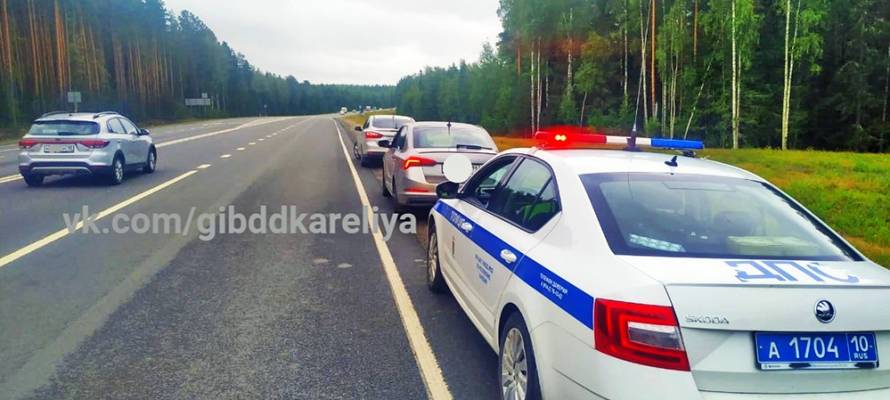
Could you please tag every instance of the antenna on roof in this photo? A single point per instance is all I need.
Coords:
(449, 127)
(632, 140)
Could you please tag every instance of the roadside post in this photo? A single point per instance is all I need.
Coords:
(75, 98)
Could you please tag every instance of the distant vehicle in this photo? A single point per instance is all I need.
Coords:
(376, 128)
(632, 275)
(105, 143)
(412, 165)
(343, 110)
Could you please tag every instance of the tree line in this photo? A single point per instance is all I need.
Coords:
(776, 73)
(135, 57)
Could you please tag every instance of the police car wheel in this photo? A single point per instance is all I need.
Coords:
(516, 362)
(434, 280)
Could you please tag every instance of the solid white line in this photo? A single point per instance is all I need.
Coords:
(11, 178)
(108, 211)
(436, 386)
(225, 156)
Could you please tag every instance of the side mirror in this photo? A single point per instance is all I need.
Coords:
(143, 132)
(384, 143)
(358, 129)
(447, 190)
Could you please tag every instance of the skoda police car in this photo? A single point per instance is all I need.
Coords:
(632, 275)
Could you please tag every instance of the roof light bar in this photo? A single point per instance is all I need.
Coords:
(567, 137)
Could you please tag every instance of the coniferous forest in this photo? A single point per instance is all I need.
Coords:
(135, 57)
(771, 73)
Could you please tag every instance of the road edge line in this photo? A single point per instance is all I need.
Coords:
(436, 387)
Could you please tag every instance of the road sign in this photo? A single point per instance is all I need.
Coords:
(197, 102)
(74, 98)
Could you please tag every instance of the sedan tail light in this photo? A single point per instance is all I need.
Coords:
(415, 161)
(639, 333)
(373, 135)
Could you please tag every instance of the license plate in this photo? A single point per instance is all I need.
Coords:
(785, 351)
(58, 148)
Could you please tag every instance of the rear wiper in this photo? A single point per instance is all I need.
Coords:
(471, 147)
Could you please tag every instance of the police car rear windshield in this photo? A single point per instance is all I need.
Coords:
(704, 216)
(64, 128)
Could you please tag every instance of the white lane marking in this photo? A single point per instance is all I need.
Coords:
(261, 139)
(240, 149)
(204, 135)
(225, 156)
(204, 166)
(5, 260)
(268, 136)
(251, 143)
(436, 386)
(11, 178)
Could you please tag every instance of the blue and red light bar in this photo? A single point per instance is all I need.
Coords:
(577, 137)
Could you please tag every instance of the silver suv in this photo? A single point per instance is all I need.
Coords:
(105, 143)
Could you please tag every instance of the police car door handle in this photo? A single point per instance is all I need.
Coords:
(508, 256)
(466, 227)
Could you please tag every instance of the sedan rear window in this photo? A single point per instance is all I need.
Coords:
(390, 123)
(454, 137)
(704, 216)
(64, 128)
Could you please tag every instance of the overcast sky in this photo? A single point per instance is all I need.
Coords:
(349, 41)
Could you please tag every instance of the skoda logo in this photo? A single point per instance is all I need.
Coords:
(825, 312)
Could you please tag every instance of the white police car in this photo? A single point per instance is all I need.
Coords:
(630, 275)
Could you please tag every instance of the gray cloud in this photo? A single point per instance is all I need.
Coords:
(349, 41)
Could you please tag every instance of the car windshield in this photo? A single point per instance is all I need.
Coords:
(64, 128)
(456, 136)
(705, 216)
(390, 123)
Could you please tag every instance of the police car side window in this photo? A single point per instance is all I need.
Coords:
(528, 199)
(483, 186)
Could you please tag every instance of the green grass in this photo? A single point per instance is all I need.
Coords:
(849, 191)
(359, 119)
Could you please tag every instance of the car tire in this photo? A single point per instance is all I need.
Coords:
(383, 188)
(151, 162)
(116, 175)
(516, 362)
(397, 206)
(33, 180)
(434, 279)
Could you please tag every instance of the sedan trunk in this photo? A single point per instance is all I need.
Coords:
(753, 326)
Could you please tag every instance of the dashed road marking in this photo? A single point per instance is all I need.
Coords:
(240, 149)
(436, 386)
(204, 166)
(5, 260)
(225, 156)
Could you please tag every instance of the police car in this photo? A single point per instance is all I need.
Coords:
(633, 275)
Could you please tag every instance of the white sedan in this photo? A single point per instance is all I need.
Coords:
(631, 275)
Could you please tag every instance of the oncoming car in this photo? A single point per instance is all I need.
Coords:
(105, 144)
(632, 275)
(412, 166)
(378, 127)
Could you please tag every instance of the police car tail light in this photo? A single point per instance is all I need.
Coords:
(373, 135)
(639, 333)
(415, 161)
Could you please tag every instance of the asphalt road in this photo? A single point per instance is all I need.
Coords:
(172, 316)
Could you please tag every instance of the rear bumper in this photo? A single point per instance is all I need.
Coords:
(63, 168)
(862, 395)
